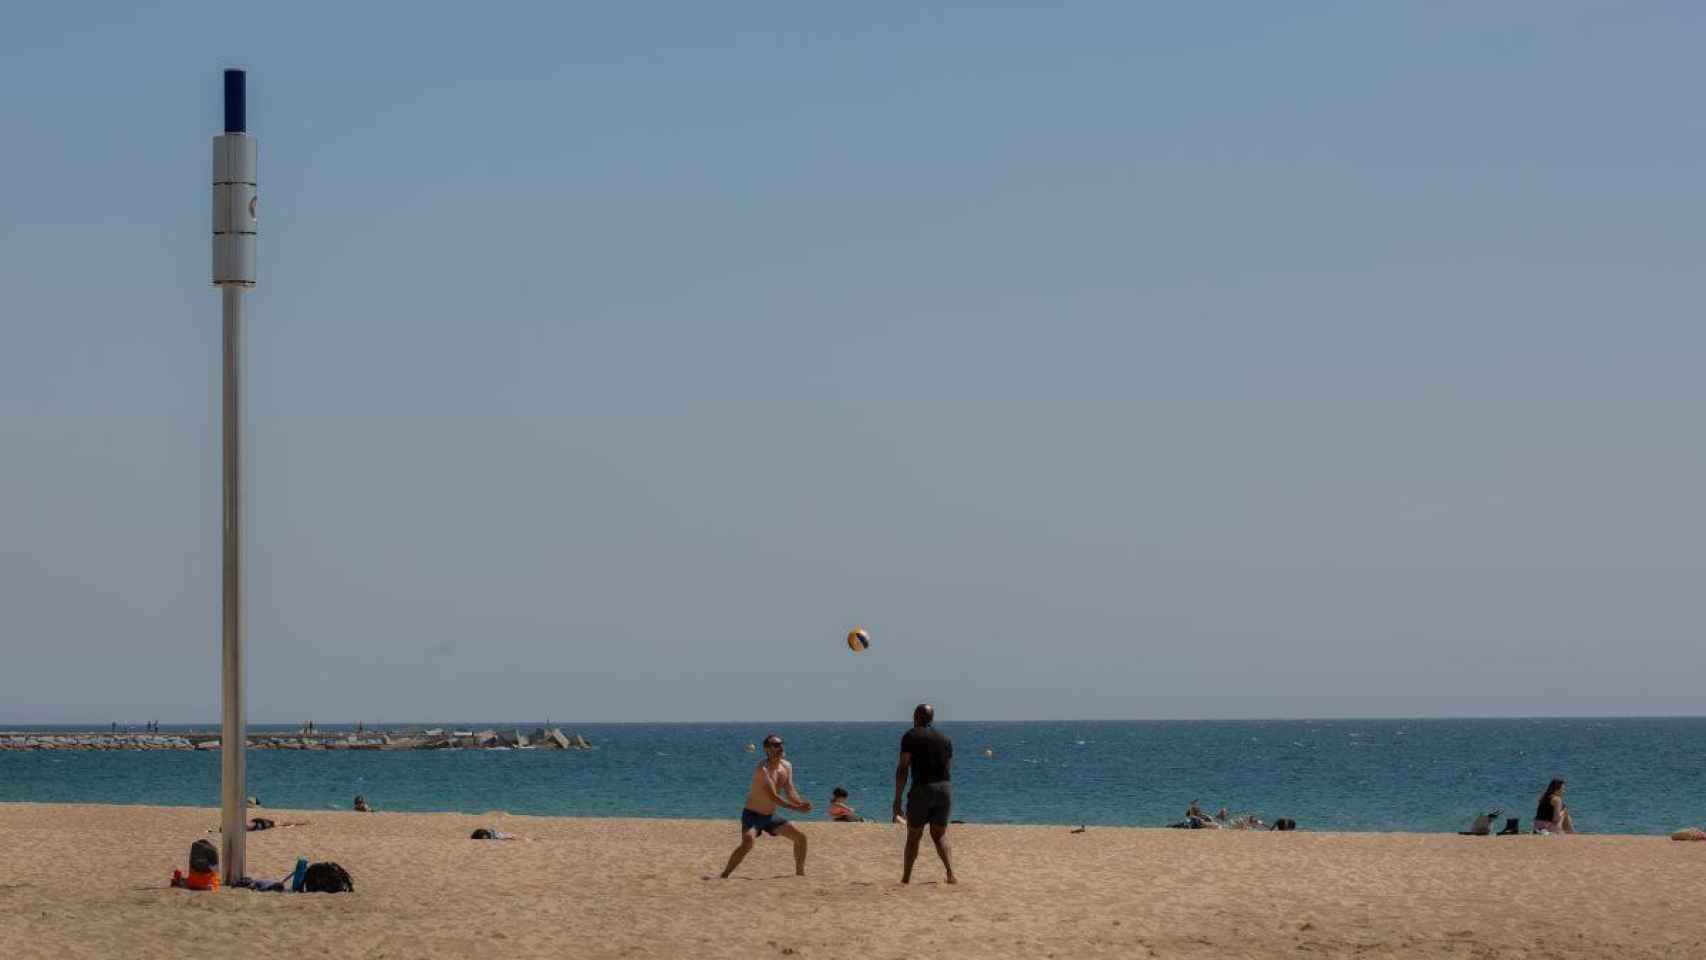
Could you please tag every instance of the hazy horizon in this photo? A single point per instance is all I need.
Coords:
(1263, 360)
(214, 723)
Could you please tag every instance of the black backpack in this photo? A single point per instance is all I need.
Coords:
(204, 857)
(482, 834)
(327, 877)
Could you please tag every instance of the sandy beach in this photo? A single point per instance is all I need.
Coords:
(90, 881)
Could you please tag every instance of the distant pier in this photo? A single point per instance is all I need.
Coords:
(412, 739)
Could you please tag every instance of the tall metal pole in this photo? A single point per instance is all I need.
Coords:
(233, 777)
(233, 272)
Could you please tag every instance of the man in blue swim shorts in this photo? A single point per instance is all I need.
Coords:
(772, 787)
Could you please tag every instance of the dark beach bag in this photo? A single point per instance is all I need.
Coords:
(204, 857)
(327, 878)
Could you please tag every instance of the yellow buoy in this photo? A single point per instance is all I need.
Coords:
(858, 641)
(750, 748)
(989, 753)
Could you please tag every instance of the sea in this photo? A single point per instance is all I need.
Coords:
(1633, 775)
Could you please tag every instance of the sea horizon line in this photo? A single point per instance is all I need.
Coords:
(25, 725)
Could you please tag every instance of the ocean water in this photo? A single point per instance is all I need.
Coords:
(1625, 775)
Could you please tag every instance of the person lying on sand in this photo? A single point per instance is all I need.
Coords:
(772, 786)
(262, 823)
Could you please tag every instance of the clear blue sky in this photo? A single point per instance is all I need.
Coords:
(610, 361)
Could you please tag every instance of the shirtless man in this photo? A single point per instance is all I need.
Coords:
(925, 754)
(772, 787)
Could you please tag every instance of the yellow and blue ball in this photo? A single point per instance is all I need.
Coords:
(858, 641)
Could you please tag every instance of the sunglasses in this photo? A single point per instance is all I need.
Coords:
(772, 743)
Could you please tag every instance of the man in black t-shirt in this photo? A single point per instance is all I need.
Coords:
(926, 753)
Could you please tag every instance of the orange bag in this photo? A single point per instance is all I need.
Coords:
(202, 881)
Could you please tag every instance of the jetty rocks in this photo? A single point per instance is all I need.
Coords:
(96, 741)
(541, 738)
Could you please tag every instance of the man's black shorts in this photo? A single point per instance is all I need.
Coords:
(929, 803)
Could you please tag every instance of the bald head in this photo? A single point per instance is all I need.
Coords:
(923, 715)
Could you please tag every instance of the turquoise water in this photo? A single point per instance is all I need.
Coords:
(1626, 775)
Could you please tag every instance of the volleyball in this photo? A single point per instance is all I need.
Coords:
(858, 641)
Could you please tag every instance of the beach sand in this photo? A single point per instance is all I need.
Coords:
(90, 881)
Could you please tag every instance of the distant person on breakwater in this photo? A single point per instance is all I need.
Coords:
(1551, 816)
(926, 753)
(772, 786)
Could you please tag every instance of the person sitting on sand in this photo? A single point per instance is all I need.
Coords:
(1551, 816)
(1197, 818)
(839, 809)
(772, 786)
(361, 804)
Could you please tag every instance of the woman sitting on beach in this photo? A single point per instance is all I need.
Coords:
(1197, 818)
(1551, 816)
(839, 809)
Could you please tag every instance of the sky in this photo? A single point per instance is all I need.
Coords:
(1110, 360)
